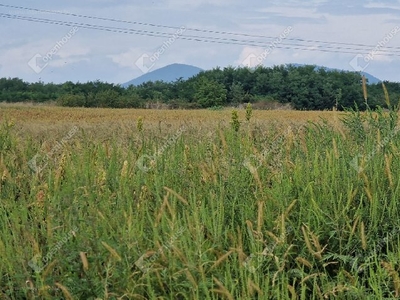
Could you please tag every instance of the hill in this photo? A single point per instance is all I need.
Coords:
(168, 73)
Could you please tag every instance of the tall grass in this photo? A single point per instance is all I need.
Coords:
(313, 214)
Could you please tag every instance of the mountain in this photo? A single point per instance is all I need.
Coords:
(167, 74)
(371, 79)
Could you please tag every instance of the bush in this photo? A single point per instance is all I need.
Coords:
(72, 100)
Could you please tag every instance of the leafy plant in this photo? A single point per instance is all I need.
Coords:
(235, 123)
(249, 112)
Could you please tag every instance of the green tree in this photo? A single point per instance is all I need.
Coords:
(107, 98)
(210, 93)
(236, 94)
(71, 100)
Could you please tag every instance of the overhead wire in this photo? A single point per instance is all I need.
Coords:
(280, 44)
(188, 28)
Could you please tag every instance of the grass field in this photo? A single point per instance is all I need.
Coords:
(146, 204)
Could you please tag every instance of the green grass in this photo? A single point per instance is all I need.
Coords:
(265, 212)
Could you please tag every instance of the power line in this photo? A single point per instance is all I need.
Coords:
(203, 30)
(187, 37)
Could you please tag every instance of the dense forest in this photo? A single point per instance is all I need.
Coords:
(303, 87)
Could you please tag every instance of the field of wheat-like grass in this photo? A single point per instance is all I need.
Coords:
(146, 204)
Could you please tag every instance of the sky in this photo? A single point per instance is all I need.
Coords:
(349, 35)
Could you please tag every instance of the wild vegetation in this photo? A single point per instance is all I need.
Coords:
(225, 205)
(299, 87)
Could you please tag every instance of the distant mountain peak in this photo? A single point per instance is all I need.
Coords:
(168, 73)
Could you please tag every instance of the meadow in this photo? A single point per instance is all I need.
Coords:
(152, 204)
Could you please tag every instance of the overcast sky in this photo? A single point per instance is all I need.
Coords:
(56, 53)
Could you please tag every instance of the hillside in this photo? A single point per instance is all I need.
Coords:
(168, 73)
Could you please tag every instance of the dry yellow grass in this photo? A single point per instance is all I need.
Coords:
(48, 118)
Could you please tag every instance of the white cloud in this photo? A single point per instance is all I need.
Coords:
(127, 58)
(68, 61)
(74, 51)
(383, 5)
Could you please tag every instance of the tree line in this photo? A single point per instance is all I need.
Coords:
(303, 87)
